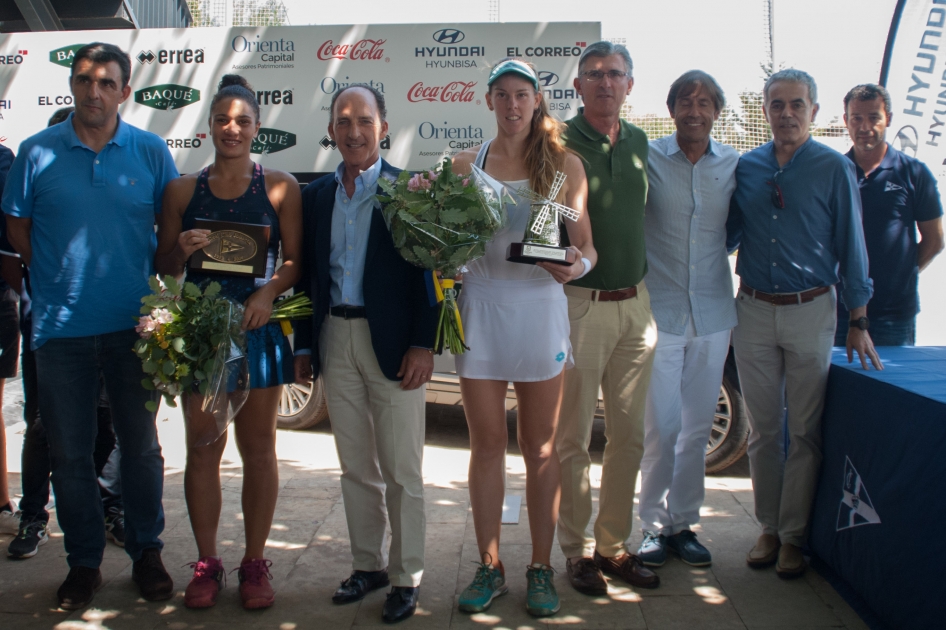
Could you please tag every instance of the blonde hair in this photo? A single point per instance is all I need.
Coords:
(545, 153)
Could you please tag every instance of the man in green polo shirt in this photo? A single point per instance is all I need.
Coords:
(613, 333)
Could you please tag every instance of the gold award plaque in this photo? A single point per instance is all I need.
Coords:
(230, 246)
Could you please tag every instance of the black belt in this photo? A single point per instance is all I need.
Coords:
(348, 312)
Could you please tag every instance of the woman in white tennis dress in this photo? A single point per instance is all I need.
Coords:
(515, 317)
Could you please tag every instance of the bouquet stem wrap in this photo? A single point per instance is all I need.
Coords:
(450, 324)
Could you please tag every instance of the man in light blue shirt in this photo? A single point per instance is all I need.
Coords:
(796, 217)
(350, 223)
(80, 201)
(691, 180)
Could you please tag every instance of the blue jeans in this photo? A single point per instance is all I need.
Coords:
(884, 331)
(68, 374)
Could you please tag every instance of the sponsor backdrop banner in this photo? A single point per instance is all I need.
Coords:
(433, 77)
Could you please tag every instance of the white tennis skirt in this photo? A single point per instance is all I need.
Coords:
(517, 330)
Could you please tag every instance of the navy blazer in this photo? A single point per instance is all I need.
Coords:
(396, 303)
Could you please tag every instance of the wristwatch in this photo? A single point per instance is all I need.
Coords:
(862, 323)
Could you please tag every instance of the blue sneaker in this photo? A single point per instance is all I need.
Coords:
(488, 584)
(653, 551)
(689, 549)
(541, 598)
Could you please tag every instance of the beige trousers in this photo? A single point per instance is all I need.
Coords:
(613, 344)
(783, 354)
(379, 434)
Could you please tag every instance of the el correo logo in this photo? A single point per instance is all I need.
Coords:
(167, 96)
(63, 56)
(272, 141)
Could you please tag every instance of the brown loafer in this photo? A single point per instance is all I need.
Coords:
(791, 563)
(765, 552)
(585, 577)
(629, 568)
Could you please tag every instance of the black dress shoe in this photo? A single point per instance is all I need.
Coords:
(629, 568)
(400, 604)
(585, 577)
(79, 588)
(359, 584)
(152, 578)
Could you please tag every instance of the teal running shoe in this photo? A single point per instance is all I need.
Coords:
(488, 584)
(541, 598)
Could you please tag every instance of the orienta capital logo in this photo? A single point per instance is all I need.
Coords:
(272, 141)
(63, 56)
(167, 96)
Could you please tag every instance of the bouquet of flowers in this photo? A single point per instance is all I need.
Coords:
(441, 221)
(191, 341)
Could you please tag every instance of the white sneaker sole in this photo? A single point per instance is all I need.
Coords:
(42, 541)
(473, 610)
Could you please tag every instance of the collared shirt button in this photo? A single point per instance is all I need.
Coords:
(775, 264)
(776, 286)
(773, 240)
(349, 247)
(347, 273)
(350, 222)
(96, 161)
(693, 240)
(774, 216)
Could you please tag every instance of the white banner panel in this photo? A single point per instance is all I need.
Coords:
(433, 77)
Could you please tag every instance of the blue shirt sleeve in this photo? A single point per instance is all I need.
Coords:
(849, 239)
(18, 187)
(927, 204)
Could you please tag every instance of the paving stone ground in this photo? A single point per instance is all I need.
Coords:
(309, 549)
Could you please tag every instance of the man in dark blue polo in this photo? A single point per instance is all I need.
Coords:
(899, 197)
(795, 216)
(80, 201)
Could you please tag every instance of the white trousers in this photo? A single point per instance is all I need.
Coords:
(681, 403)
(379, 434)
(783, 354)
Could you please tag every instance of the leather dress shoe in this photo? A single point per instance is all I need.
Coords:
(791, 562)
(359, 584)
(400, 604)
(79, 588)
(629, 568)
(765, 552)
(585, 577)
(152, 578)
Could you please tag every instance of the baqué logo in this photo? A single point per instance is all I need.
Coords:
(453, 92)
(449, 36)
(63, 56)
(272, 141)
(362, 50)
(167, 96)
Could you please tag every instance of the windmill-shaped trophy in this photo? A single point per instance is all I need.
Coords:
(541, 240)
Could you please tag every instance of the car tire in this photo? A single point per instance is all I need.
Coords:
(301, 406)
(729, 437)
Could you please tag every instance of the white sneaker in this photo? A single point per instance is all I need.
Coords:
(9, 521)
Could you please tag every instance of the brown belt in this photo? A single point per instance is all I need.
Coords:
(784, 299)
(601, 296)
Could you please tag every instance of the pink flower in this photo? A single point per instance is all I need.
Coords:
(162, 316)
(145, 326)
(466, 182)
(418, 182)
(432, 176)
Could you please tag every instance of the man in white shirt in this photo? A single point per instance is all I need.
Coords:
(691, 180)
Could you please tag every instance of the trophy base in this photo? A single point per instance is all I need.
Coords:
(530, 254)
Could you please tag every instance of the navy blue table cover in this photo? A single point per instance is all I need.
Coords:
(880, 513)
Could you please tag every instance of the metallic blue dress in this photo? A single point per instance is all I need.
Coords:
(268, 350)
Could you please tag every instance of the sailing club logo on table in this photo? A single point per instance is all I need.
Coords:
(362, 50)
(64, 56)
(453, 92)
(272, 141)
(448, 51)
(167, 96)
(272, 53)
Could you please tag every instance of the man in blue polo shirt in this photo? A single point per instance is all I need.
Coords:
(795, 216)
(899, 196)
(80, 200)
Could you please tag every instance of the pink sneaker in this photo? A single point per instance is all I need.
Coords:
(206, 583)
(255, 590)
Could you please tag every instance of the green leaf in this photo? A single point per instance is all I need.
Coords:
(191, 290)
(158, 353)
(424, 257)
(151, 406)
(453, 216)
(147, 384)
(149, 367)
(199, 375)
(203, 387)
(145, 310)
(212, 289)
(208, 366)
(178, 344)
(172, 284)
(168, 367)
(170, 401)
(154, 283)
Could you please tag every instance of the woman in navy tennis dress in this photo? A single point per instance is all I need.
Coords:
(234, 188)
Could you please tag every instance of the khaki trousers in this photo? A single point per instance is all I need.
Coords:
(379, 434)
(613, 344)
(783, 354)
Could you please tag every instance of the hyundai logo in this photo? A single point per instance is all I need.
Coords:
(449, 36)
(907, 140)
(547, 78)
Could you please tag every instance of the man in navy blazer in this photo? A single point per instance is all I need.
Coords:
(371, 338)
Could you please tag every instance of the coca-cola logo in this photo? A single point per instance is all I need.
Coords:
(365, 49)
(454, 92)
